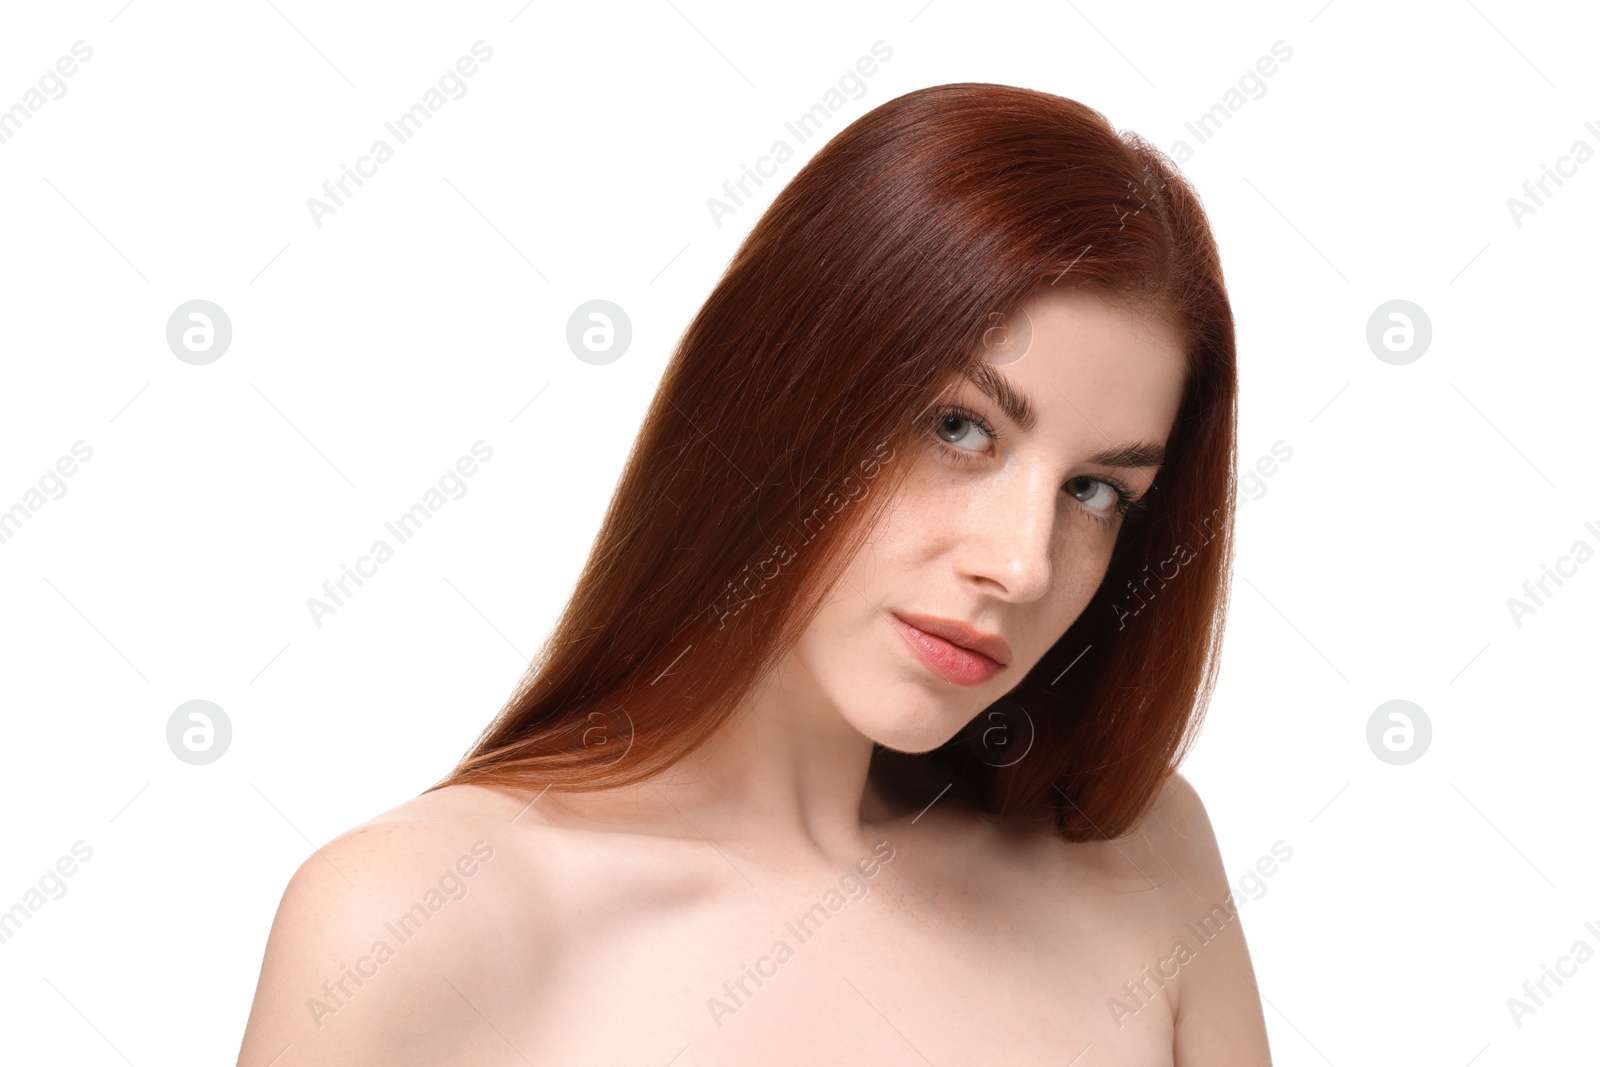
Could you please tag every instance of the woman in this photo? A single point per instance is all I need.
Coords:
(858, 736)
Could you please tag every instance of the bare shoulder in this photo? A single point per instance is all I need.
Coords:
(1178, 827)
(1217, 1005)
(379, 947)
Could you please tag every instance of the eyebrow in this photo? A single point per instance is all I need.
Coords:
(1131, 457)
(1020, 410)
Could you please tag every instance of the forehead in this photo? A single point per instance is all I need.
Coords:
(1078, 357)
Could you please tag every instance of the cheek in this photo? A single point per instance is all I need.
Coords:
(844, 637)
(1082, 557)
(912, 527)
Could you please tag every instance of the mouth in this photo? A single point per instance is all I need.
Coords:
(952, 650)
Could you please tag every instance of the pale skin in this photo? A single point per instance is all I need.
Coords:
(643, 925)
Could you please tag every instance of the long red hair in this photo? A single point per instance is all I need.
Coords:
(793, 405)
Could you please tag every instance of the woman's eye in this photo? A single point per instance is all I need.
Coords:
(961, 432)
(1095, 494)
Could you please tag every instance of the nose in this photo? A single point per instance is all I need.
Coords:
(1008, 546)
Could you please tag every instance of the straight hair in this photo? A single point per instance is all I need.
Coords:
(797, 400)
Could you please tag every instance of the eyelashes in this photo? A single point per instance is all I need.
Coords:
(965, 415)
(1126, 504)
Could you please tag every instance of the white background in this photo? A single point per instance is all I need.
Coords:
(428, 311)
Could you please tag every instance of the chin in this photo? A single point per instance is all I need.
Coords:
(915, 730)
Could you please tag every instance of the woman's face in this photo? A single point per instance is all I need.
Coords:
(1005, 523)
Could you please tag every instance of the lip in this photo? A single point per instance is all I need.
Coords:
(953, 650)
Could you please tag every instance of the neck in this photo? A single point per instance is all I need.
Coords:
(785, 776)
